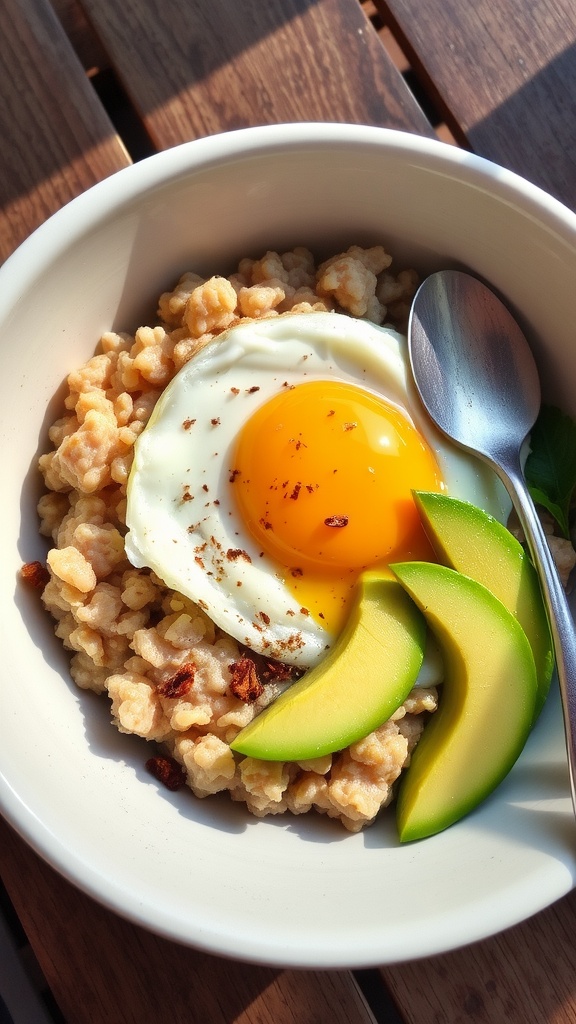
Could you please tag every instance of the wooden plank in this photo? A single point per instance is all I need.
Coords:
(193, 68)
(84, 40)
(103, 970)
(523, 976)
(504, 76)
(56, 137)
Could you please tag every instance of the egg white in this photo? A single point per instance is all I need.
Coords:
(182, 518)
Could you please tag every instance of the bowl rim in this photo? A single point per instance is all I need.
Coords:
(122, 187)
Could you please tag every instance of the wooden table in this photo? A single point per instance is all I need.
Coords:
(88, 86)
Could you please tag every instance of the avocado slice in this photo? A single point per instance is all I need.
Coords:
(365, 677)
(468, 539)
(487, 704)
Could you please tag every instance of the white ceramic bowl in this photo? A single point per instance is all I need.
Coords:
(293, 891)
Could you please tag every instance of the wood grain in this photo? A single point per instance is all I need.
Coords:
(526, 975)
(56, 137)
(84, 40)
(103, 970)
(503, 75)
(193, 68)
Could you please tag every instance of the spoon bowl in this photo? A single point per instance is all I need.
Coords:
(478, 380)
(472, 364)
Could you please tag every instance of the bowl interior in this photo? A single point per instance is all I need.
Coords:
(290, 890)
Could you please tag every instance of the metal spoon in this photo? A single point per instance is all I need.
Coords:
(478, 381)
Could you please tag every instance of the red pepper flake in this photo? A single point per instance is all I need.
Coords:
(252, 390)
(270, 670)
(178, 685)
(276, 671)
(290, 612)
(199, 561)
(233, 474)
(312, 487)
(304, 611)
(244, 683)
(216, 501)
(235, 391)
(167, 771)
(35, 574)
(266, 524)
(215, 422)
(337, 521)
(233, 554)
(294, 642)
(350, 426)
(296, 572)
(265, 618)
(205, 488)
(188, 423)
(296, 491)
(331, 413)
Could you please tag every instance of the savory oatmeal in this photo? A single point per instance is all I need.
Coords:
(171, 675)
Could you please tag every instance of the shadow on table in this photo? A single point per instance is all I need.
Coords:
(533, 132)
(55, 132)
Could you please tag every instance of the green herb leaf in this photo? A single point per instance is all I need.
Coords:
(551, 465)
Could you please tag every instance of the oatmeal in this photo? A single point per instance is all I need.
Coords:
(172, 676)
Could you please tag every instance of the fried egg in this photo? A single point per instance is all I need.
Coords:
(278, 465)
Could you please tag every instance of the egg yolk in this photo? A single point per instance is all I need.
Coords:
(322, 475)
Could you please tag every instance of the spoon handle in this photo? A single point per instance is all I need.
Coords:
(559, 614)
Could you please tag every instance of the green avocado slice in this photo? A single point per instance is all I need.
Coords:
(466, 538)
(365, 677)
(487, 704)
